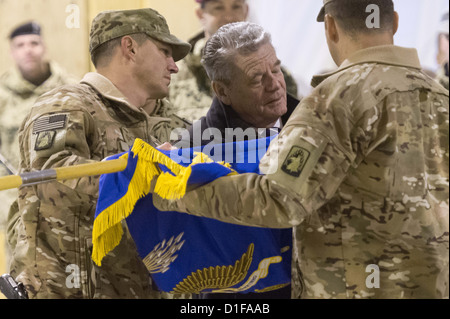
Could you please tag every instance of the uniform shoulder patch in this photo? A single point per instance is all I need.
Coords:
(44, 140)
(48, 123)
(45, 130)
(295, 161)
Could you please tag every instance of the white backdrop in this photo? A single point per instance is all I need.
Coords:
(301, 44)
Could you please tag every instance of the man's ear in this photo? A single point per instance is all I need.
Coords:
(331, 28)
(128, 47)
(199, 13)
(44, 46)
(396, 21)
(246, 10)
(222, 92)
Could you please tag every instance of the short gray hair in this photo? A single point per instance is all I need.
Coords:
(235, 38)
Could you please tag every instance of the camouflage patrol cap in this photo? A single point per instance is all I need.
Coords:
(321, 16)
(109, 25)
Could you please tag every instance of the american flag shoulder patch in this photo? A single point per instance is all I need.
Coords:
(49, 123)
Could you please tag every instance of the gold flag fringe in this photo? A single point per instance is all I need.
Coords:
(107, 231)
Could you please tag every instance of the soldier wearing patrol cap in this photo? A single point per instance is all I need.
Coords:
(361, 170)
(50, 234)
(190, 92)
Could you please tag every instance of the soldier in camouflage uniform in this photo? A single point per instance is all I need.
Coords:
(360, 170)
(50, 236)
(31, 76)
(20, 86)
(190, 92)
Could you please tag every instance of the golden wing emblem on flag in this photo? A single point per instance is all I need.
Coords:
(218, 277)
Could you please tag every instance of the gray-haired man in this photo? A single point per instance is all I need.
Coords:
(191, 93)
(250, 99)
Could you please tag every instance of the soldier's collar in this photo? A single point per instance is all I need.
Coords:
(385, 54)
(15, 81)
(106, 88)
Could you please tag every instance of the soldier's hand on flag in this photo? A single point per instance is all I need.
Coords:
(166, 147)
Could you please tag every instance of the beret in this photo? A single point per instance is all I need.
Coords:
(27, 28)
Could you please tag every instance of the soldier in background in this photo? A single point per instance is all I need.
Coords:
(50, 235)
(190, 92)
(31, 76)
(360, 170)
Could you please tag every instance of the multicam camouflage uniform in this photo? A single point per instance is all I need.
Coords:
(16, 99)
(190, 89)
(361, 171)
(51, 234)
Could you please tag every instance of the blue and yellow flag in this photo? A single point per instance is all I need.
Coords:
(185, 253)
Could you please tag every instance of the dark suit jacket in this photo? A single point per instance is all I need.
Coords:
(221, 117)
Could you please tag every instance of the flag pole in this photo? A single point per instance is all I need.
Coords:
(63, 173)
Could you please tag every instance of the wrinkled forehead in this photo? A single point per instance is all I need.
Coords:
(258, 61)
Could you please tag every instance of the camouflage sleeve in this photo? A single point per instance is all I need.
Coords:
(303, 168)
(247, 199)
(12, 225)
(303, 180)
(60, 134)
(54, 134)
(3, 169)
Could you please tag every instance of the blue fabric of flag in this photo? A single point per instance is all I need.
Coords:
(190, 254)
